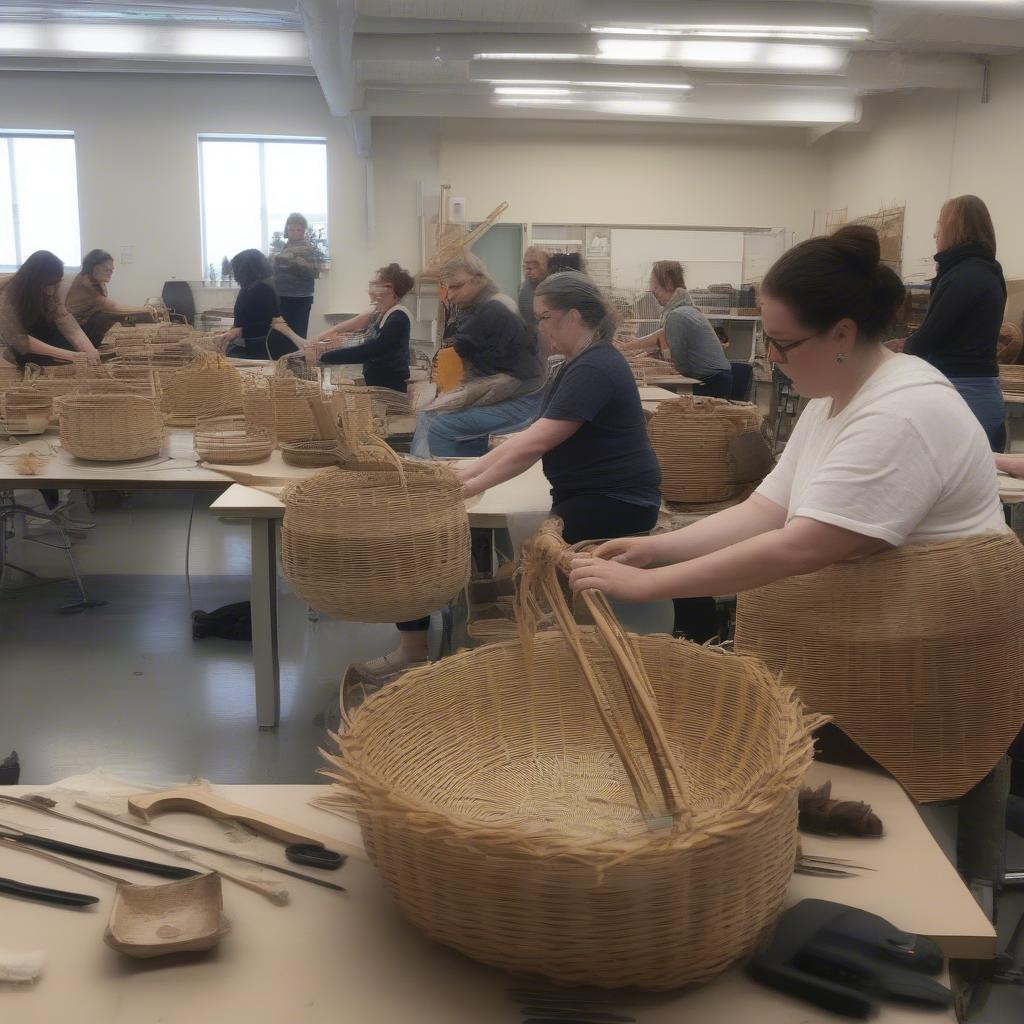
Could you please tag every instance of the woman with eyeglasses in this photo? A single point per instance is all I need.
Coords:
(35, 325)
(384, 350)
(886, 453)
(503, 380)
(88, 302)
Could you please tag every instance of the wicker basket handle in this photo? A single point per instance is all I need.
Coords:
(669, 802)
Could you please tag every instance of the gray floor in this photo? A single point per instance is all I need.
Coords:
(124, 687)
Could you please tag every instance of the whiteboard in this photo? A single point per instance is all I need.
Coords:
(708, 257)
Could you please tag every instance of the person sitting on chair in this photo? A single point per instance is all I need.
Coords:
(257, 304)
(87, 300)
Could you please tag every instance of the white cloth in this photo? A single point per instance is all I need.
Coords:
(906, 461)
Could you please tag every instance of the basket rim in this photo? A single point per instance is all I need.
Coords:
(371, 797)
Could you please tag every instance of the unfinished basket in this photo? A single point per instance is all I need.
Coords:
(24, 410)
(694, 440)
(377, 546)
(915, 653)
(208, 386)
(110, 428)
(539, 810)
(230, 440)
(302, 419)
(310, 454)
(1012, 379)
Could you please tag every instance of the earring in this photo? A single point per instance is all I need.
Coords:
(840, 358)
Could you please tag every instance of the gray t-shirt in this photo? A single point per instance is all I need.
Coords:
(696, 350)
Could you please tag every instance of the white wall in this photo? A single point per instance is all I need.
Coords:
(138, 179)
(922, 148)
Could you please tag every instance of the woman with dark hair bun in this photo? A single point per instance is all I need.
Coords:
(886, 453)
(257, 304)
(384, 351)
(35, 326)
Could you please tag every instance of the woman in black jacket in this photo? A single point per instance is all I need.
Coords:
(384, 351)
(257, 304)
(960, 331)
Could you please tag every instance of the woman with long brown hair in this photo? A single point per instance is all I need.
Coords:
(34, 324)
(960, 332)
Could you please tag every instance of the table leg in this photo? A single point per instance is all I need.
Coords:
(264, 623)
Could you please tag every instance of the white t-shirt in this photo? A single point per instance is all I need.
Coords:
(906, 461)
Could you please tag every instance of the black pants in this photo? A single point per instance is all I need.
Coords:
(296, 313)
(718, 385)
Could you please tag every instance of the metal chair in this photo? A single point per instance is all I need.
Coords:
(10, 510)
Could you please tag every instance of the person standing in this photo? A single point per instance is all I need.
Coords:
(296, 268)
(535, 269)
(959, 335)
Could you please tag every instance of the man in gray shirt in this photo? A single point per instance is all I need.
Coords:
(535, 269)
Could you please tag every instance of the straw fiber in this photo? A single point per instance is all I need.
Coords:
(692, 438)
(499, 794)
(229, 440)
(380, 546)
(208, 386)
(916, 653)
(110, 428)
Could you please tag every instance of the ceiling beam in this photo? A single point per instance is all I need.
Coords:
(330, 29)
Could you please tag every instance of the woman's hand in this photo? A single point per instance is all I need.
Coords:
(632, 551)
(613, 579)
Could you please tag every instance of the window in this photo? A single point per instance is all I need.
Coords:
(38, 197)
(250, 185)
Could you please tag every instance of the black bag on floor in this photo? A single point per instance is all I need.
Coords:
(230, 622)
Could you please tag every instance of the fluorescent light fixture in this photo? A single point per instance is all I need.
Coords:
(530, 56)
(630, 30)
(525, 81)
(155, 42)
(530, 102)
(712, 53)
(524, 90)
(679, 87)
(843, 32)
(637, 106)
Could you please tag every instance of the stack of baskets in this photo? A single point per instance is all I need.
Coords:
(110, 428)
(230, 440)
(1011, 378)
(385, 542)
(499, 793)
(916, 654)
(24, 410)
(695, 441)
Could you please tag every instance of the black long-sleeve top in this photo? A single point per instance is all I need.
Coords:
(491, 339)
(384, 353)
(255, 307)
(960, 330)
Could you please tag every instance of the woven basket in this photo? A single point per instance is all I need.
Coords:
(916, 653)
(208, 386)
(25, 410)
(1012, 379)
(692, 439)
(230, 440)
(295, 419)
(493, 796)
(376, 546)
(110, 428)
(310, 454)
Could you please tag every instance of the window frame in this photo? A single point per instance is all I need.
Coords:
(261, 141)
(8, 136)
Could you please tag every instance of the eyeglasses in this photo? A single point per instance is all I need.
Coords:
(783, 348)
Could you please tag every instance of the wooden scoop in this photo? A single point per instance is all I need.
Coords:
(195, 800)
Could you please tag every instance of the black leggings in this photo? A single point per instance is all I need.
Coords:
(295, 311)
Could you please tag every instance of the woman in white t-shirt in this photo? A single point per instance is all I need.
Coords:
(886, 453)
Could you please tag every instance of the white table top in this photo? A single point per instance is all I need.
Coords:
(327, 958)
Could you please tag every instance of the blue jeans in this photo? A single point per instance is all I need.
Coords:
(463, 434)
(984, 397)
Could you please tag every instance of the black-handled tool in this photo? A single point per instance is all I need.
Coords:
(118, 860)
(40, 894)
(315, 856)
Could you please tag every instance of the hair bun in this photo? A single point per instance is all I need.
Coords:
(860, 245)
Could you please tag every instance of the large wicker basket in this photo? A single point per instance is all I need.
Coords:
(916, 654)
(110, 428)
(208, 386)
(379, 546)
(229, 440)
(494, 798)
(694, 440)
